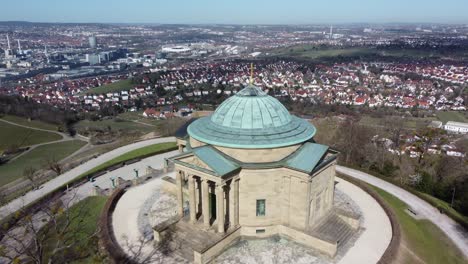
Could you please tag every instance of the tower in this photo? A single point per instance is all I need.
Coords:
(8, 41)
(8, 51)
(19, 47)
(331, 32)
(92, 42)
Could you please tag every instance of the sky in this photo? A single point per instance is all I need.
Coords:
(236, 12)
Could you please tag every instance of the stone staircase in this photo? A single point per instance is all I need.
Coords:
(333, 229)
(183, 238)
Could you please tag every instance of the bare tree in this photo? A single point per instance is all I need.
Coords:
(53, 164)
(48, 235)
(144, 250)
(30, 173)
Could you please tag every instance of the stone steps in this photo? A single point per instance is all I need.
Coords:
(333, 229)
(186, 238)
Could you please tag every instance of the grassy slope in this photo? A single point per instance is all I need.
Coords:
(451, 116)
(14, 170)
(446, 207)
(87, 249)
(20, 136)
(33, 123)
(114, 125)
(141, 152)
(112, 87)
(423, 238)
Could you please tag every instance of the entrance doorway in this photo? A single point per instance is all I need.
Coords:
(212, 207)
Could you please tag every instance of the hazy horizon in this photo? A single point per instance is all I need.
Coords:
(240, 12)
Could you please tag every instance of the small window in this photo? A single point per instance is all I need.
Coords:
(260, 231)
(261, 207)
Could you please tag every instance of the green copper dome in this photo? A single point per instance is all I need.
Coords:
(251, 119)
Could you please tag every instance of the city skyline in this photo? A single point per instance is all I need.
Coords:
(238, 12)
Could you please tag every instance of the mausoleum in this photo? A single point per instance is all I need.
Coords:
(252, 169)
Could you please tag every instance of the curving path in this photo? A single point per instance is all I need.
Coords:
(377, 234)
(452, 229)
(62, 179)
(64, 136)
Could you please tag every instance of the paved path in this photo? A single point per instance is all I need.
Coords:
(453, 230)
(72, 174)
(65, 137)
(377, 234)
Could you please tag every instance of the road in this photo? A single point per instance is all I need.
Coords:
(452, 229)
(51, 185)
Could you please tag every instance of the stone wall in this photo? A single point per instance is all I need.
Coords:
(259, 155)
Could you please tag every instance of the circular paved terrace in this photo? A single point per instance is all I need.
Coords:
(143, 206)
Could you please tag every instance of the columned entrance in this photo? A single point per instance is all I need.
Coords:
(210, 200)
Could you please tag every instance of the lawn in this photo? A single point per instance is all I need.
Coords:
(451, 116)
(137, 153)
(422, 237)
(11, 135)
(30, 123)
(86, 214)
(113, 124)
(118, 86)
(35, 158)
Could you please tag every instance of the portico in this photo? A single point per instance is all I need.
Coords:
(210, 201)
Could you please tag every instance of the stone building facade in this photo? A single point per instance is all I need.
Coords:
(253, 170)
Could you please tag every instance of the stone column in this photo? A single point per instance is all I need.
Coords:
(205, 203)
(220, 215)
(233, 203)
(181, 148)
(180, 195)
(192, 201)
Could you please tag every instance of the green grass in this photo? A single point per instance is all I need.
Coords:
(12, 135)
(123, 125)
(86, 215)
(446, 208)
(137, 153)
(424, 238)
(30, 123)
(451, 116)
(35, 158)
(118, 86)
